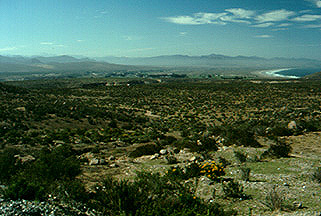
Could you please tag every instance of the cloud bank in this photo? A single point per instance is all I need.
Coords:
(275, 18)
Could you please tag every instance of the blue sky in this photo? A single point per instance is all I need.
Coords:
(134, 28)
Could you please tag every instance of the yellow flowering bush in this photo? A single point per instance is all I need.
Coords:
(211, 169)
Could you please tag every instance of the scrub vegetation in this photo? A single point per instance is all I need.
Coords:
(163, 147)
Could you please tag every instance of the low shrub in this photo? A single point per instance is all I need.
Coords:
(245, 173)
(146, 149)
(234, 189)
(274, 199)
(52, 169)
(212, 170)
(317, 175)
(179, 173)
(278, 149)
(150, 194)
(240, 135)
(224, 162)
(171, 159)
(199, 143)
(240, 156)
(8, 164)
(280, 130)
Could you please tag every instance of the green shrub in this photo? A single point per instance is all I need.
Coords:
(198, 143)
(224, 162)
(317, 175)
(274, 199)
(240, 135)
(278, 149)
(8, 164)
(233, 189)
(47, 174)
(22, 187)
(240, 156)
(280, 130)
(176, 173)
(147, 149)
(245, 173)
(150, 194)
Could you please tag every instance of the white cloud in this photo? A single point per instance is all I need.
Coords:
(275, 16)
(263, 36)
(140, 49)
(307, 18)
(8, 49)
(264, 25)
(233, 19)
(237, 15)
(284, 25)
(46, 43)
(241, 13)
(183, 33)
(80, 40)
(183, 20)
(198, 19)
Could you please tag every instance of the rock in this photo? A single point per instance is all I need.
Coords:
(298, 205)
(27, 158)
(194, 158)
(155, 156)
(24, 159)
(292, 125)
(182, 151)
(22, 109)
(111, 158)
(163, 151)
(114, 165)
(94, 161)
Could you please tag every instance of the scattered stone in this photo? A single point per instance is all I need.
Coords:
(22, 109)
(292, 125)
(163, 151)
(24, 159)
(49, 207)
(192, 159)
(111, 158)
(155, 156)
(298, 205)
(94, 161)
(114, 165)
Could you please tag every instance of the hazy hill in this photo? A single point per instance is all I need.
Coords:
(214, 60)
(56, 64)
(313, 76)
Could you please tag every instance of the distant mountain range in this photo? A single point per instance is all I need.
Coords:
(65, 63)
(215, 60)
(56, 64)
